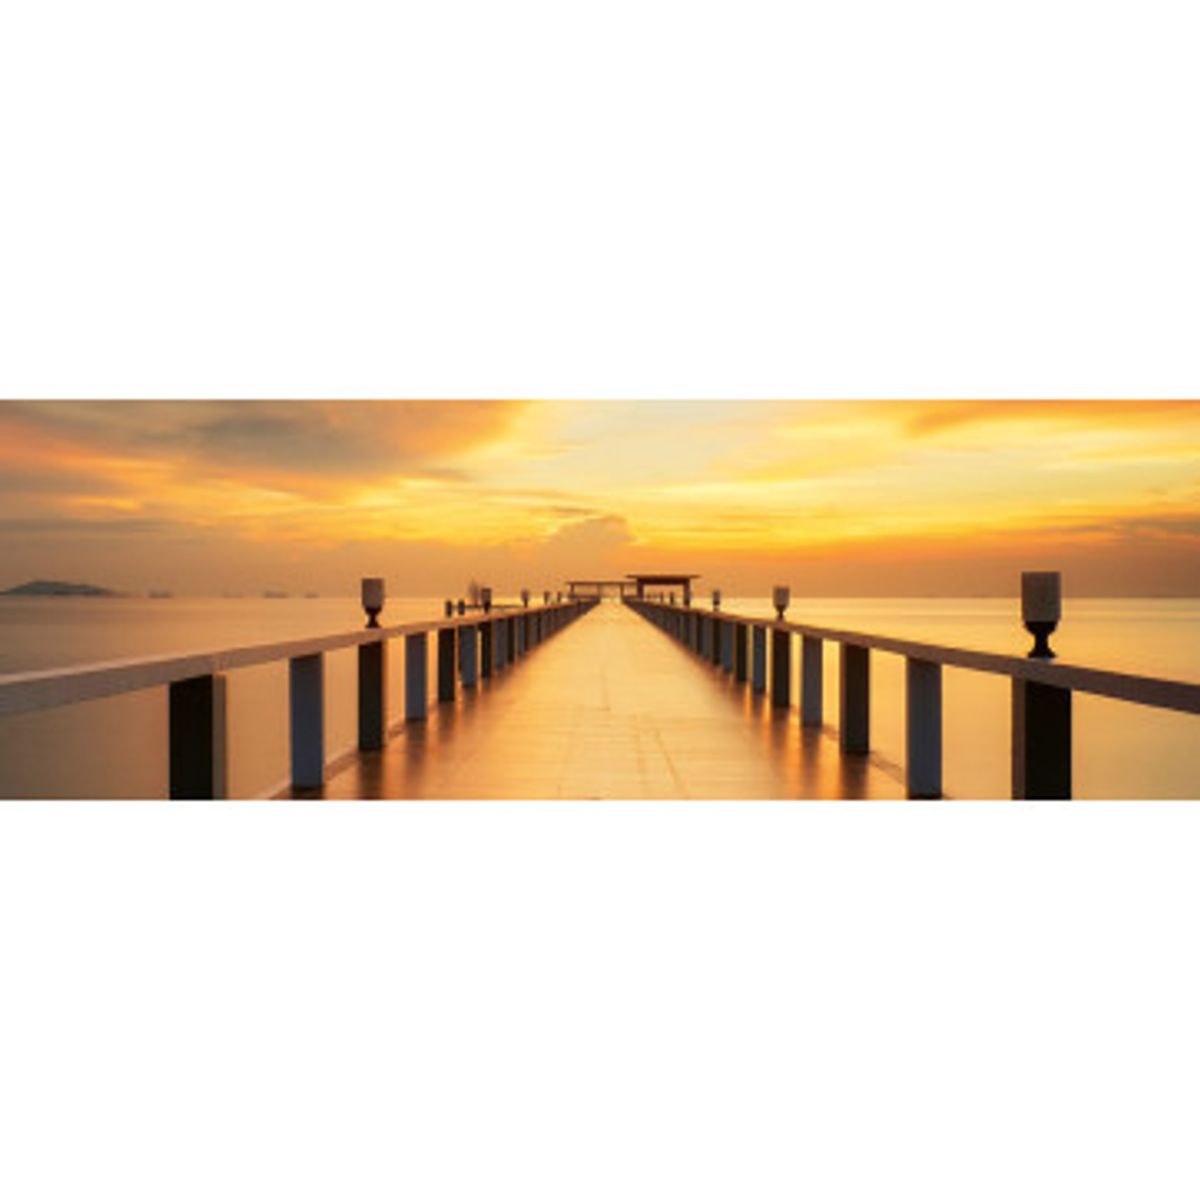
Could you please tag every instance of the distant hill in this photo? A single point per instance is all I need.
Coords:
(56, 587)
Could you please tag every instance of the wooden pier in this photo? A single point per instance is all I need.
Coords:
(648, 698)
(609, 710)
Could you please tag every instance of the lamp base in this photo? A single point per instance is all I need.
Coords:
(1041, 631)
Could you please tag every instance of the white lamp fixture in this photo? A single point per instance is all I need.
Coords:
(1041, 608)
(373, 593)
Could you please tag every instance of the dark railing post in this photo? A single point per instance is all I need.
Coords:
(1041, 741)
(758, 672)
(781, 668)
(372, 695)
(468, 655)
(739, 652)
(923, 706)
(715, 637)
(445, 665)
(306, 725)
(197, 753)
(416, 677)
(727, 647)
(812, 682)
(855, 699)
(485, 648)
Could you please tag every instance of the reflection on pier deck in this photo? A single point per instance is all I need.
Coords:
(611, 709)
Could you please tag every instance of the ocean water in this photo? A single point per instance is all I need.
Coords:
(117, 747)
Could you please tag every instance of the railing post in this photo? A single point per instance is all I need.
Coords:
(198, 748)
(727, 647)
(468, 655)
(486, 652)
(758, 671)
(306, 704)
(445, 663)
(812, 682)
(716, 625)
(416, 677)
(855, 699)
(781, 668)
(739, 652)
(499, 650)
(923, 766)
(372, 695)
(1041, 741)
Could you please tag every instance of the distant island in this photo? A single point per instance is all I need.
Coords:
(56, 587)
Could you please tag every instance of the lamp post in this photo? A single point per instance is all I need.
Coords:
(525, 597)
(1041, 608)
(373, 592)
(716, 599)
(485, 598)
(781, 598)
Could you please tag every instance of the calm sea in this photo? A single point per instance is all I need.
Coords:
(117, 747)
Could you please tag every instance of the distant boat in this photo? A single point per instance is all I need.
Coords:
(310, 595)
(275, 595)
(161, 595)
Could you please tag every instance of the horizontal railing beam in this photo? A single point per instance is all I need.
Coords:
(34, 691)
(1174, 694)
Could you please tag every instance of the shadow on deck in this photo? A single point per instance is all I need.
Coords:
(611, 709)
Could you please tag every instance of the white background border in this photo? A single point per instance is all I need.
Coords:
(619, 199)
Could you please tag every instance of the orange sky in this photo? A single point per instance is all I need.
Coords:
(865, 497)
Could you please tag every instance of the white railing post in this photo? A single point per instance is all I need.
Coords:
(198, 747)
(306, 724)
(923, 766)
(855, 733)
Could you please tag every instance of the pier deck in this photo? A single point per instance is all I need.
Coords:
(611, 709)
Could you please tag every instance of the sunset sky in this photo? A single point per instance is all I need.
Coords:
(849, 498)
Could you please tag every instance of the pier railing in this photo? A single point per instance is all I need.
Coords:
(469, 647)
(1041, 689)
